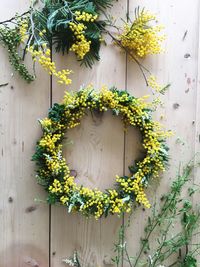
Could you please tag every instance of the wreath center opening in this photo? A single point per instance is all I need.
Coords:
(97, 149)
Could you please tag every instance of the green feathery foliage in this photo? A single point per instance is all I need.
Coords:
(171, 246)
(55, 18)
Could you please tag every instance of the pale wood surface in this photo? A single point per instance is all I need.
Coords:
(24, 224)
(181, 99)
(98, 151)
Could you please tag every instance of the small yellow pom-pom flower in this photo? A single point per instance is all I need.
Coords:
(44, 58)
(152, 82)
(141, 38)
(81, 46)
(23, 29)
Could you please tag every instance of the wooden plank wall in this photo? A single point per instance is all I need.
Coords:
(24, 225)
(179, 67)
(34, 234)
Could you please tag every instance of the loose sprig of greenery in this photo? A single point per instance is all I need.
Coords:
(11, 40)
(175, 211)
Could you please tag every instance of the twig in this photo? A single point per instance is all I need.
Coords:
(128, 258)
(142, 67)
(32, 30)
(24, 50)
(13, 18)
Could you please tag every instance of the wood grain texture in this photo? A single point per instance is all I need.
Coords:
(24, 224)
(98, 151)
(196, 239)
(178, 66)
(96, 155)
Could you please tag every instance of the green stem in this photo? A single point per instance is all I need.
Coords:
(152, 229)
(173, 264)
(159, 250)
(128, 258)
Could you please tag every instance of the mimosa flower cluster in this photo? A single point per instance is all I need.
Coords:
(81, 46)
(142, 36)
(63, 26)
(44, 59)
(54, 174)
(23, 24)
(78, 27)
